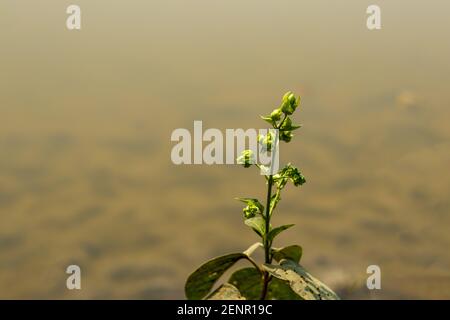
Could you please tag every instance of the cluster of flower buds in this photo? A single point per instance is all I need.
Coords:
(266, 141)
(279, 118)
(289, 172)
(253, 207)
(247, 158)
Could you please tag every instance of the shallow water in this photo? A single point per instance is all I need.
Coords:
(86, 119)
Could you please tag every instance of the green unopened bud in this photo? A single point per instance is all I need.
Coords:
(287, 124)
(266, 141)
(246, 158)
(292, 173)
(276, 114)
(286, 136)
(296, 177)
(289, 103)
(250, 211)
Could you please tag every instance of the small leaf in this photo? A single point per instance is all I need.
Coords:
(276, 231)
(268, 120)
(201, 281)
(293, 253)
(226, 292)
(249, 283)
(300, 281)
(274, 201)
(288, 126)
(258, 224)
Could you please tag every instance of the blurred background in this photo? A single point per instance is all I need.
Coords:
(86, 118)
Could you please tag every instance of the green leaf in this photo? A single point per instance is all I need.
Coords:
(201, 281)
(258, 224)
(268, 120)
(300, 281)
(226, 292)
(276, 231)
(293, 253)
(288, 126)
(249, 283)
(274, 201)
(280, 290)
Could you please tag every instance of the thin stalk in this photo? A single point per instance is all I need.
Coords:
(267, 244)
(267, 220)
(266, 238)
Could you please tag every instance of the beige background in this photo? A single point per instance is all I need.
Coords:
(86, 118)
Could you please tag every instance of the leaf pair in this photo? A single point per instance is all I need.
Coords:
(202, 280)
(289, 279)
(258, 224)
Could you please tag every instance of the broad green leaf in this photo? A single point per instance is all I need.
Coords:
(258, 224)
(293, 253)
(249, 283)
(300, 281)
(276, 231)
(201, 281)
(280, 290)
(226, 292)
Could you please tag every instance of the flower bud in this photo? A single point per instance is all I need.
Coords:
(289, 103)
(276, 114)
(250, 211)
(246, 158)
(287, 124)
(266, 141)
(286, 136)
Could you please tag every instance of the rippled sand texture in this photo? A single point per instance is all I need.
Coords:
(86, 118)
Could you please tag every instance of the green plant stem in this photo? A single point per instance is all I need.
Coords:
(266, 238)
(267, 220)
(267, 245)
(266, 279)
